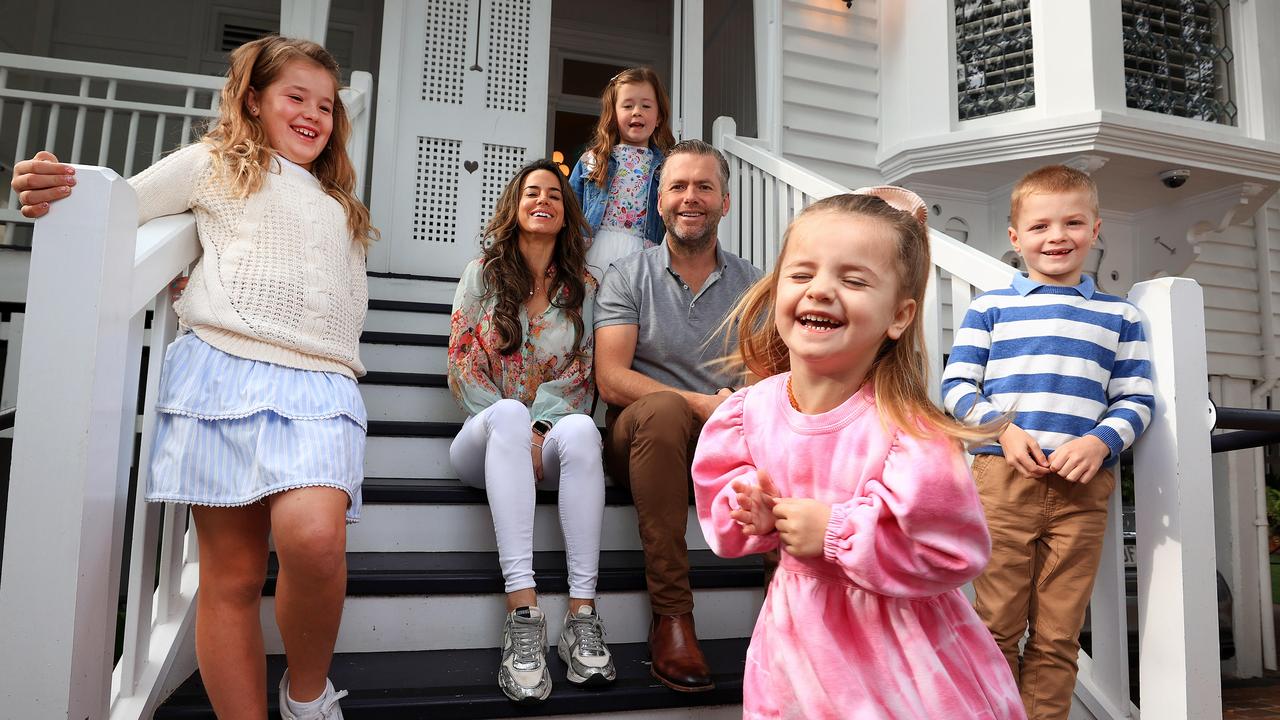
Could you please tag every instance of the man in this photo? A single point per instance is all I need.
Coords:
(657, 320)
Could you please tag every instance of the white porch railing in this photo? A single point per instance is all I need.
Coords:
(121, 117)
(1177, 603)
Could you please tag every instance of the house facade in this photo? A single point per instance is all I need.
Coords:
(1173, 106)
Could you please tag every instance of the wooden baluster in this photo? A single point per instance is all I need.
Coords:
(77, 141)
(104, 142)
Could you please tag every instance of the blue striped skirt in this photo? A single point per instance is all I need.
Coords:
(231, 431)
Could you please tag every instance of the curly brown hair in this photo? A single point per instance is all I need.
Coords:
(239, 143)
(507, 277)
(606, 133)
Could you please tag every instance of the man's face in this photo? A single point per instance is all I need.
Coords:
(691, 200)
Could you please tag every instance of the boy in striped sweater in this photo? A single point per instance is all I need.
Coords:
(1069, 366)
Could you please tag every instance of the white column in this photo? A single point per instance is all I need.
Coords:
(58, 593)
(917, 71)
(1177, 591)
(767, 16)
(305, 19)
(686, 69)
(1079, 56)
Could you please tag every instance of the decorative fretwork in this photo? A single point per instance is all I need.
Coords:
(993, 57)
(1178, 58)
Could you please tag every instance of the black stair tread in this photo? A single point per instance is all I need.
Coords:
(410, 306)
(410, 276)
(405, 428)
(449, 491)
(378, 337)
(462, 685)
(382, 377)
(454, 573)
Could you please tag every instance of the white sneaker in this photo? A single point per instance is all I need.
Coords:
(329, 709)
(523, 674)
(582, 648)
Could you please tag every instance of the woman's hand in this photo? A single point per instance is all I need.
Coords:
(537, 459)
(40, 181)
(802, 525)
(755, 504)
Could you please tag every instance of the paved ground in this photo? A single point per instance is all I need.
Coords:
(1251, 699)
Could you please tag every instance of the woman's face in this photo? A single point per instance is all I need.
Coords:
(541, 210)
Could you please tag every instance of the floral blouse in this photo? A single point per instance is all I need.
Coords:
(542, 373)
(628, 207)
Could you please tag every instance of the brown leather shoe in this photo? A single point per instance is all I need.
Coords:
(677, 660)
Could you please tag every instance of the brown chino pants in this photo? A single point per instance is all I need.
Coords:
(1046, 543)
(648, 447)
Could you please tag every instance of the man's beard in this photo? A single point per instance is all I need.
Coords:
(693, 244)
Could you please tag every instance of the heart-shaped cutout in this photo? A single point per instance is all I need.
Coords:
(471, 166)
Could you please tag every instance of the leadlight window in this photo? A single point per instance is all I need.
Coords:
(993, 57)
(1178, 58)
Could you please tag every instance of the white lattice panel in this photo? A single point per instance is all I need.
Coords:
(435, 197)
(500, 164)
(506, 83)
(444, 58)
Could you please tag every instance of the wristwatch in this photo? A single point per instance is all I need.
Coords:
(541, 427)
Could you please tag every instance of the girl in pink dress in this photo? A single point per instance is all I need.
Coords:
(839, 459)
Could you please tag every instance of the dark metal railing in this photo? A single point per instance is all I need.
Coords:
(1252, 428)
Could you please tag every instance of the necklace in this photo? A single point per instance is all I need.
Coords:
(550, 273)
(792, 396)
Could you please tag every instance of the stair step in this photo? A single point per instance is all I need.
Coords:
(452, 573)
(447, 491)
(426, 322)
(405, 379)
(461, 685)
(407, 306)
(409, 403)
(408, 457)
(388, 357)
(390, 286)
(375, 337)
(455, 526)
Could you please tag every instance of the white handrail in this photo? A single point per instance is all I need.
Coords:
(94, 275)
(1177, 608)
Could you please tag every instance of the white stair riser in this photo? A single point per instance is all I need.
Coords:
(431, 323)
(447, 622)
(404, 358)
(411, 403)
(469, 528)
(408, 457)
(412, 290)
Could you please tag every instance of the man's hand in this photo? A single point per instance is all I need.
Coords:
(1079, 460)
(704, 405)
(755, 504)
(1022, 452)
(801, 525)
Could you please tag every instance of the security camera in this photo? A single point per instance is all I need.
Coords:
(1175, 178)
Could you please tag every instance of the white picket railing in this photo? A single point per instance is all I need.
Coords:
(1177, 603)
(124, 117)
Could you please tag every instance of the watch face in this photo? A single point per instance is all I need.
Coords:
(542, 427)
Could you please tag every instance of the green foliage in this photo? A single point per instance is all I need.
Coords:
(1273, 509)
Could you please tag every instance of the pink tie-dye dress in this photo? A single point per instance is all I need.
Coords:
(877, 627)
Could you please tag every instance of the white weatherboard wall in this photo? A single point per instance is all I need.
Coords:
(830, 88)
(1226, 269)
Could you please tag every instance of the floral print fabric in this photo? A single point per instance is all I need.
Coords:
(542, 374)
(628, 207)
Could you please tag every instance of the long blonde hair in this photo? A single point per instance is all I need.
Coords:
(606, 134)
(239, 144)
(898, 374)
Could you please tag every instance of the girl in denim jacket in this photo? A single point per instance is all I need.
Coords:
(616, 179)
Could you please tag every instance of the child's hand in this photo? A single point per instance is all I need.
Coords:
(1079, 460)
(1022, 452)
(801, 525)
(40, 181)
(755, 505)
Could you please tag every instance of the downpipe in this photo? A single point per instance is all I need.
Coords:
(1271, 374)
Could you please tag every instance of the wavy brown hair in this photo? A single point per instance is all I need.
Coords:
(506, 275)
(898, 374)
(240, 148)
(606, 134)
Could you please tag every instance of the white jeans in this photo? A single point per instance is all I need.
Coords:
(492, 451)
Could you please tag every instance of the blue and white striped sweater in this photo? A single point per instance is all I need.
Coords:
(1066, 361)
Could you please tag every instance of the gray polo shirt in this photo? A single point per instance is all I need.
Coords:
(678, 335)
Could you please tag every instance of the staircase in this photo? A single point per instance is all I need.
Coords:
(425, 599)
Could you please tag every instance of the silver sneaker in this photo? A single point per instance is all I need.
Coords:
(329, 709)
(582, 648)
(523, 674)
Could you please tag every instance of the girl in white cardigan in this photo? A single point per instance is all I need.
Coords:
(261, 427)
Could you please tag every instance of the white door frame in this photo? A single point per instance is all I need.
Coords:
(686, 68)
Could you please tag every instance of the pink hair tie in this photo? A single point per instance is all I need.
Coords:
(898, 198)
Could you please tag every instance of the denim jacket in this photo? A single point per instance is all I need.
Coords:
(593, 198)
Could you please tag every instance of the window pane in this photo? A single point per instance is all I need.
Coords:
(1178, 58)
(993, 57)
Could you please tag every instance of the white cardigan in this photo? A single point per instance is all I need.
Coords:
(281, 279)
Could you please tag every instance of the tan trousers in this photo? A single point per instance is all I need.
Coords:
(648, 447)
(1046, 542)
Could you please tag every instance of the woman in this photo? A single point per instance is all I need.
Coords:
(520, 345)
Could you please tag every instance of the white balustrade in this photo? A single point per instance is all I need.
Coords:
(1177, 620)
